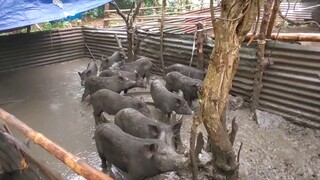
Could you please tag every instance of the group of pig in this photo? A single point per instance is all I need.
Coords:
(136, 143)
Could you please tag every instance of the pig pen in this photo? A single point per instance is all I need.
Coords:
(48, 98)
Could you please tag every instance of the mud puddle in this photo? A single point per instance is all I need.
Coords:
(48, 100)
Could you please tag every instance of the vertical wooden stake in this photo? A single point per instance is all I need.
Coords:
(262, 63)
(276, 5)
(200, 39)
(107, 15)
(161, 36)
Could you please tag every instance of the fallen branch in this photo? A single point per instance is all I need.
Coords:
(120, 46)
(90, 51)
(238, 156)
(74, 162)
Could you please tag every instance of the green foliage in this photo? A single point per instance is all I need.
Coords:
(56, 25)
(95, 13)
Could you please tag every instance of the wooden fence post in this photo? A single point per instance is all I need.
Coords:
(200, 40)
(262, 63)
(106, 21)
(161, 36)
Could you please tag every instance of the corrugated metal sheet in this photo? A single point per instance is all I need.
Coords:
(40, 48)
(102, 41)
(291, 86)
(185, 23)
(178, 49)
(242, 84)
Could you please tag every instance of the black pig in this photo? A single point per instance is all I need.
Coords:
(110, 102)
(138, 158)
(91, 70)
(187, 71)
(167, 101)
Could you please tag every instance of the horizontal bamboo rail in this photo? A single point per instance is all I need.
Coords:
(312, 37)
(74, 162)
(159, 7)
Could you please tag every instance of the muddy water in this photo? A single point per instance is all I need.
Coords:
(48, 99)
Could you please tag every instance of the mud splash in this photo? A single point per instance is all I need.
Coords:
(48, 99)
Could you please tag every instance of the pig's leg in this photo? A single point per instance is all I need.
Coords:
(103, 161)
(85, 94)
(180, 148)
(97, 113)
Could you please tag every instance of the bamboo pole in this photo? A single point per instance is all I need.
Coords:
(161, 36)
(275, 8)
(313, 37)
(74, 162)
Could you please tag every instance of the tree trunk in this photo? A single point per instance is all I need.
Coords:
(130, 44)
(230, 29)
(217, 86)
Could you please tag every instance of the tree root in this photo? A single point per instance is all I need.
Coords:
(233, 132)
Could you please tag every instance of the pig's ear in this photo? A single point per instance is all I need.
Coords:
(149, 150)
(88, 72)
(142, 99)
(121, 63)
(154, 131)
(180, 93)
(176, 128)
(121, 78)
(179, 102)
(136, 74)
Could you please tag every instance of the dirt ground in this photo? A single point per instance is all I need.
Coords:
(48, 99)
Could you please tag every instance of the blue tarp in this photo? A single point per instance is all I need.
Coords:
(20, 13)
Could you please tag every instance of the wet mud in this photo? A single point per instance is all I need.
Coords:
(48, 100)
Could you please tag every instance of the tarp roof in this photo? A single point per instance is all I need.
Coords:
(20, 13)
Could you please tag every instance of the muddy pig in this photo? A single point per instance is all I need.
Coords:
(114, 72)
(130, 75)
(110, 102)
(168, 101)
(176, 81)
(114, 83)
(91, 70)
(133, 122)
(142, 66)
(109, 61)
(138, 158)
(187, 71)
